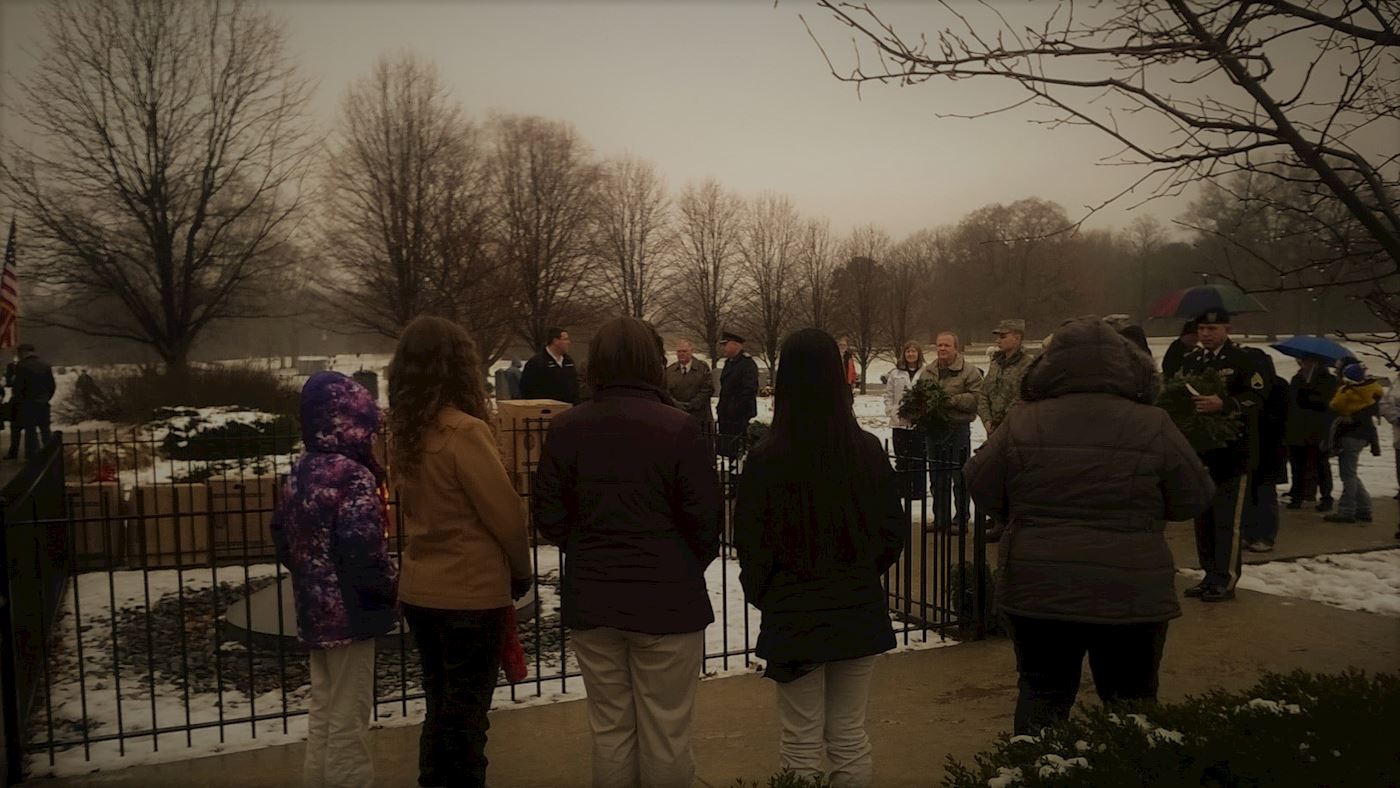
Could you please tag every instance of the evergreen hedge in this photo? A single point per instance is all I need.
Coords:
(1294, 729)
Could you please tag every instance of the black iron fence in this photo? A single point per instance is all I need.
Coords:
(147, 609)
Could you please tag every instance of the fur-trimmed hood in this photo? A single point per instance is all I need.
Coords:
(1088, 356)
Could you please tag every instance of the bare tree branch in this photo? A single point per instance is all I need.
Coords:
(165, 176)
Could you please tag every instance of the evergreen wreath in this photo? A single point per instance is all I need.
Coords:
(926, 405)
(1205, 431)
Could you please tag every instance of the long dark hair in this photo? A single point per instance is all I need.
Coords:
(814, 449)
(435, 366)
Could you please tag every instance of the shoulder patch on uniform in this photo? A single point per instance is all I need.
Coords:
(1257, 382)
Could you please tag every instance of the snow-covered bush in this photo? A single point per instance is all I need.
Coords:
(224, 433)
(134, 396)
(1295, 729)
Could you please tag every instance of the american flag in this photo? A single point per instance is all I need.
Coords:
(9, 296)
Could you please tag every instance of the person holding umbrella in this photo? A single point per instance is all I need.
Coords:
(1309, 418)
(1247, 382)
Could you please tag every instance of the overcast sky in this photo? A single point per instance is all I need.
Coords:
(733, 90)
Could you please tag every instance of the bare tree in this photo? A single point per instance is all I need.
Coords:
(1260, 232)
(1144, 236)
(768, 250)
(632, 236)
(861, 287)
(545, 182)
(163, 178)
(1011, 261)
(709, 223)
(1191, 91)
(911, 265)
(818, 257)
(407, 217)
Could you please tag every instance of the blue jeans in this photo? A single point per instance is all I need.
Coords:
(1355, 501)
(948, 449)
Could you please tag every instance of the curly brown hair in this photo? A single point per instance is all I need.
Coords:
(435, 366)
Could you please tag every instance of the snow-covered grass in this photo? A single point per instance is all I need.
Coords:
(88, 699)
(1369, 582)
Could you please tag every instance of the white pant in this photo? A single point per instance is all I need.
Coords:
(641, 694)
(827, 707)
(337, 740)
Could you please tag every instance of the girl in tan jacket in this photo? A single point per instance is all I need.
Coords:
(466, 553)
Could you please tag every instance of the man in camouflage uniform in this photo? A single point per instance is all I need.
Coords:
(1247, 383)
(1001, 388)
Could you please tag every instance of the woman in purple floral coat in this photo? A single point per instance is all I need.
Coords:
(330, 535)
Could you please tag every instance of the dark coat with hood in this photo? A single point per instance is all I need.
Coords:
(329, 530)
(626, 487)
(1086, 473)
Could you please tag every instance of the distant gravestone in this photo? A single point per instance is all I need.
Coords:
(369, 380)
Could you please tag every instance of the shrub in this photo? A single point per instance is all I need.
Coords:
(204, 435)
(135, 397)
(1295, 729)
(785, 780)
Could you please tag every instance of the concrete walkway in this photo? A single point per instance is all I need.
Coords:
(924, 705)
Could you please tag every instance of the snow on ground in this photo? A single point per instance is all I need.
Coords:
(734, 632)
(1369, 582)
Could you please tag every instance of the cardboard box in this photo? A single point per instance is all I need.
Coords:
(241, 508)
(521, 425)
(169, 526)
(97, 533)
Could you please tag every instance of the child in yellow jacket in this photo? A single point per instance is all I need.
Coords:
(1356, 404)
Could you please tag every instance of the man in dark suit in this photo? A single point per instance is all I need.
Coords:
(738, 394)
(33, 388)
(690, 384)
(551, 374)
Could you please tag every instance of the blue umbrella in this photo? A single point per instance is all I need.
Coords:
(1306, 345)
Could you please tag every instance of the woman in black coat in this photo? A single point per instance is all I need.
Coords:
(626, 487)
(817, 522)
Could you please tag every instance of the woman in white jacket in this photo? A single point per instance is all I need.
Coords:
(909, 444)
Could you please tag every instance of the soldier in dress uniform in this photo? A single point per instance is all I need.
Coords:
(1247, 382)
(738, 394)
